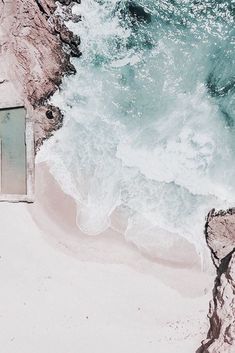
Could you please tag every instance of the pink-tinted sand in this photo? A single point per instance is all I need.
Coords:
(66, 292)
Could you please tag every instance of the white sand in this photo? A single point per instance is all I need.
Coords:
(62, 292)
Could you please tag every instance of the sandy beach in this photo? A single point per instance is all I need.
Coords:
(136, 131)
(65, 292)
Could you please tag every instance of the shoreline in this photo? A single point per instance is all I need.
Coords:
(84, 292)
(148, 302)
(59, 211)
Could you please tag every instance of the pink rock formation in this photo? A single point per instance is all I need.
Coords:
(220, 234)
(35, 50)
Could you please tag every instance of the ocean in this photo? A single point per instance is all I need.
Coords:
(149, 118)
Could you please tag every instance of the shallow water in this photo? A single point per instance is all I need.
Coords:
(149, 118)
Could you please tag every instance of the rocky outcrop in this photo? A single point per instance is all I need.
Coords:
(220, 236)
(35, 51)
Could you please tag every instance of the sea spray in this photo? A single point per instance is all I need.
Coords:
(149, 118)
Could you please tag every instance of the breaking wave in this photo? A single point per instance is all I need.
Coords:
(149, 118)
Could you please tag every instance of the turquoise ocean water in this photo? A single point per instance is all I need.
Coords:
(149, 117)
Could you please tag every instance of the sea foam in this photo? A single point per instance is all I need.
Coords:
(146, 130)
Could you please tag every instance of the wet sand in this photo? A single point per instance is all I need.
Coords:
(55, 214)
(66, 292)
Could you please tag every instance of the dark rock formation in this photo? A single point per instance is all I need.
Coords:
(133, 12)
(216, 90)
(138, 13)
(220, 236)
(67, 37)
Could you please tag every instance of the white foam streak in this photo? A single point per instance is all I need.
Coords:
(140, 132)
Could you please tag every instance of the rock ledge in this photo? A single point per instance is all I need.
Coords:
(35, 51)
(220, 236)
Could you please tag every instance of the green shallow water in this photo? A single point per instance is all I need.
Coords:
(13, 151)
